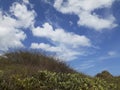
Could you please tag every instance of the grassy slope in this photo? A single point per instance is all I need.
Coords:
(31, 62)
(19, 69)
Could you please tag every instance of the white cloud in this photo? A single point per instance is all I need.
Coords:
(84, 8)
(11, 33)
(93, 21)
(112, 53)
(26, 1)
(10, 36)
(61, 51)
(66, 45)
(25, 17)
(59, 35)
(46, 47)
(77, 5)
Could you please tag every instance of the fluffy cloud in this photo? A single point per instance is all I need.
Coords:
(60, 51)
(25, 17)
(93, 21)
(84, 10)
(46, 47)
(59, 35)
(10, 36)
(11, 24)
(66, 45)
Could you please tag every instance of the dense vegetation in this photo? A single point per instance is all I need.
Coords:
(110, 78)
(24, 70)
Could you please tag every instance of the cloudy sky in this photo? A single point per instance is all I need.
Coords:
(83, 33)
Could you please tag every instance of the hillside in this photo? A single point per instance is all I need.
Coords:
(25, 70)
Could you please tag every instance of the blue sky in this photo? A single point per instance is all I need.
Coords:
(83, 33)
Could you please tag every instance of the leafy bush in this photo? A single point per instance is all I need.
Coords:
(104, 74)
(45, 80)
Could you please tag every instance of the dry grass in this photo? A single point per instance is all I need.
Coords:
(29, 62)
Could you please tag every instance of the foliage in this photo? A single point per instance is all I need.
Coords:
(23, 70)
(110, 78)
(45, 80)
(104, 74)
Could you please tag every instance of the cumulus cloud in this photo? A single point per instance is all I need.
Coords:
(11, 24)
(93, 21)
(46, 47)
(10, 35)
(84, 10)
(61, 51)
(66, 44)
(59, 35)
(25, 17)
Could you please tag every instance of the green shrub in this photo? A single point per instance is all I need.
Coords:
(45, 80)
